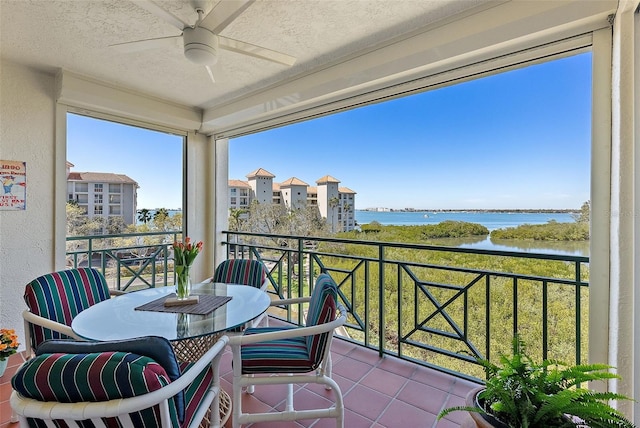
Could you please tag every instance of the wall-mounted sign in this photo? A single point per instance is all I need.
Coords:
(13, 177)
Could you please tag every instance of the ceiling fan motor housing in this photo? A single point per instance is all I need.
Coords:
(200, 46)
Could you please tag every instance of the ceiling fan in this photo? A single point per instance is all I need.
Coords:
(202, 40)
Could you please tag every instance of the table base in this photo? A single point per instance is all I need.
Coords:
(190, 350)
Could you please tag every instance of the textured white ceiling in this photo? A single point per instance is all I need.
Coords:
(75, 35)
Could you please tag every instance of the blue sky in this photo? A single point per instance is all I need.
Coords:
(519, 139)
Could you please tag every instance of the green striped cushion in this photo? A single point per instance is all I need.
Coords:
(69, 378)
(157, 348)
(241, 271)
(276, 356)
(322, 309)
(60, 296)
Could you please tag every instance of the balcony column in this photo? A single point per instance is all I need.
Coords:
(624, 296)
(220, 196)
(198, 215)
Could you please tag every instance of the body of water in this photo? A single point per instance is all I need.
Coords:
(492, 221)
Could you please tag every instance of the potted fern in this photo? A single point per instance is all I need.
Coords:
(523, 394)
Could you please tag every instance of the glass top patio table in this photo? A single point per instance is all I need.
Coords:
(117, 318)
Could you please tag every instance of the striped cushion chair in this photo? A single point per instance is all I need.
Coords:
(246, 272)
(56, 298)
(291, 355)
(136, 383)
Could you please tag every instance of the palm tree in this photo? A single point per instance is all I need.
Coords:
(235, 220)
(144, 216)
(333, 203)
(160, 214)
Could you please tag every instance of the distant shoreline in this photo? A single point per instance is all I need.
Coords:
(515, 210)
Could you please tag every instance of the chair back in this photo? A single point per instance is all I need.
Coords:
(322, 309)
(60, 296)
(241, 271)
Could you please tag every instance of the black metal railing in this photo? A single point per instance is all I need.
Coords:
(128, 260)
(441, 307)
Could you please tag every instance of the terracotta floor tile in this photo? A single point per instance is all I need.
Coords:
(365, 355)
(383, 381)
(397, 366)
(457, 417)
(351, 369)
(423, 397)
(400, 414)
(366, 401)
(462, 387)
(342, 347)
(434, 378)
(344, 384)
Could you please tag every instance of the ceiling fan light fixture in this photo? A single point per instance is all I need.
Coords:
(200, 46)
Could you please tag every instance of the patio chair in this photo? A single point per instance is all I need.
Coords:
(289, 355)
(130, 383)
(246, 272)
(54, 299)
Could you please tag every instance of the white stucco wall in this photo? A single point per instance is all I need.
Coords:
(27, 133)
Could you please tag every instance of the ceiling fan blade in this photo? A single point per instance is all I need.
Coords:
(223, 14)
(143, 45)
(210, 73)
(154, 8)
(255, 51)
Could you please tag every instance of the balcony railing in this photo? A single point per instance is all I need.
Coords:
(436, 306)
(129, 261)
(440, 307)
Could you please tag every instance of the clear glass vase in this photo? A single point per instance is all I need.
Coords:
(183, 281)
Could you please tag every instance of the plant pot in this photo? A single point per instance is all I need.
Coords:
(481, 420)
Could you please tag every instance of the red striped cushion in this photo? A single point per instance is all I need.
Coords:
(60, 296)
(241, 271)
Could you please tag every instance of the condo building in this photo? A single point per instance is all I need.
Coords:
(336, 204)
(103, 194)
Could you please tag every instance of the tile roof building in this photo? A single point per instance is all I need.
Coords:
(103, 194)
(336, 204)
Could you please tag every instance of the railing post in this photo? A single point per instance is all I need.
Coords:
(367, 332)
(90, 250)
(382, 327)
(578, 317)
(301, 275)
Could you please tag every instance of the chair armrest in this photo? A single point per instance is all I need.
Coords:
(116, 292)
(51, 325)
(292, 301)
(237, 341)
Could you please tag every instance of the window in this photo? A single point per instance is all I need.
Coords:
(118, 155)
(97, 210)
